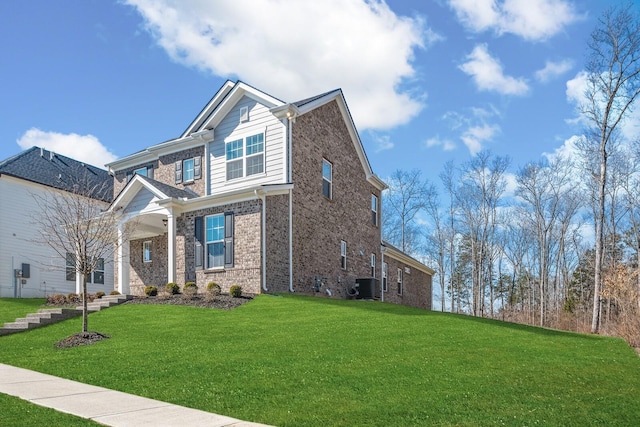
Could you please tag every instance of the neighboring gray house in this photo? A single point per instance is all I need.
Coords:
(29, 268)
(268, 195)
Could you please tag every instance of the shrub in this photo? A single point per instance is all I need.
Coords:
(73, 298)
(99, 294)
(172, 288)
(214, 288)
(114, 292)
(56, 299)
(190, 285)
(151, 291)
(189, 290)
(235, 291)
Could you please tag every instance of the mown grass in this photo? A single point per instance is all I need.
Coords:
(13, 308)
(298, 361)
(20, 413)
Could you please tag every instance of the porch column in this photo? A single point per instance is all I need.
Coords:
(122, 262)
(171, 246)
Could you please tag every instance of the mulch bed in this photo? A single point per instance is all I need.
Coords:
(222, 302)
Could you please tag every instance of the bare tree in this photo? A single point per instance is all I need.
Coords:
(406, 197)
(613, 84)
(77, 226)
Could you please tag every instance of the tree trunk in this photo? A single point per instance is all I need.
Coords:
(85, 326)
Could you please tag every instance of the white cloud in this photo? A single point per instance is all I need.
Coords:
(295, 49)
(532, 20)
(475, 136)
(576, 88)
(85, 148)
(553, 69)
(568, 150)
(382, 142)
(446, 144)
(488, 75)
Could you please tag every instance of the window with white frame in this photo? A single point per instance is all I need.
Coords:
(374, 209)
(144, 171)
(384, 277)
(188, 170)
(98, 272)
(373, 265)
(245, 156)
(399, 281)
(71, 266)
(343, 254)
(146, 251)
(214, 240)
(96, 276)
(327, 179)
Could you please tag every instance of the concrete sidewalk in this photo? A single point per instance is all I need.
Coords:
(108, 407)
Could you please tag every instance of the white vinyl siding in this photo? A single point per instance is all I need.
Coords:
(140, 201)
(17, 237)
(261, 121)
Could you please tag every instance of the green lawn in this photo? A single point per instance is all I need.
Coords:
(299, 361)
(20, 413)
(12, 308)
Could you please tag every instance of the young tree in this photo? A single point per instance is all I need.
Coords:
(613, 84)
(77, 225)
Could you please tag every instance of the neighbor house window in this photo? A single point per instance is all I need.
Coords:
(399, 281)
(384, 276)
(245, 157)
(71, 267)
(146, 251)
(97, 276)
(98, 272)
(343, 254)
(374, 209)
(373, 265)
(188, 170)
(218, 240)
(327, 179)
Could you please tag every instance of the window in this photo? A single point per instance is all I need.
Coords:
(144, 171)
(245, 157)
(97, 276)
(343, 254)
(71, 267)
(384, 277)
(373, 265)
(374, 209)
(188, 170)
(399, 281)
(146, 251)
(218, 241)
(327, 179)
(187, 166)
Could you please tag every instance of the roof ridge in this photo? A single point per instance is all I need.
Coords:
(9, 160)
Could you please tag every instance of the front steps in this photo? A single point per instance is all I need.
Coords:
(47, 316)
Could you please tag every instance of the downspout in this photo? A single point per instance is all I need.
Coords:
(263, 234)
(382, 249)
(290, 133)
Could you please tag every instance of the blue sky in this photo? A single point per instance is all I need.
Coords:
(426, 81)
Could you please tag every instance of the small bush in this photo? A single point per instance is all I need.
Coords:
(99, 294)
(235, 291)
(114, 292)
(151, 291)
(172, 288)
(74, 298)
(213, 288)
(189, 290)
(190, 285)
(56, 299)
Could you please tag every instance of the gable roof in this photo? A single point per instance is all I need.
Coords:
(397, 254)
(57, 171)
(159, 189)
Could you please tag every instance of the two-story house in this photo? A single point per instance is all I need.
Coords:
(29, 267)
(268, 195)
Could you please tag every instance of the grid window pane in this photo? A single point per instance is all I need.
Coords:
(188, 169)
(215, 240)
(255, 164)
(255, 144)
(234, 169)
(234, 149)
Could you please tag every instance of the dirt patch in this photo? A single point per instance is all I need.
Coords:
(81, 338)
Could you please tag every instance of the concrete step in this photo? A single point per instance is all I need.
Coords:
(47, 316)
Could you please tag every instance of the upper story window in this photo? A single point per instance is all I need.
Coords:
(374, 209)
(144, 171)
(245, 157)
(327, 179)
(188, 170)
(343, 254)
